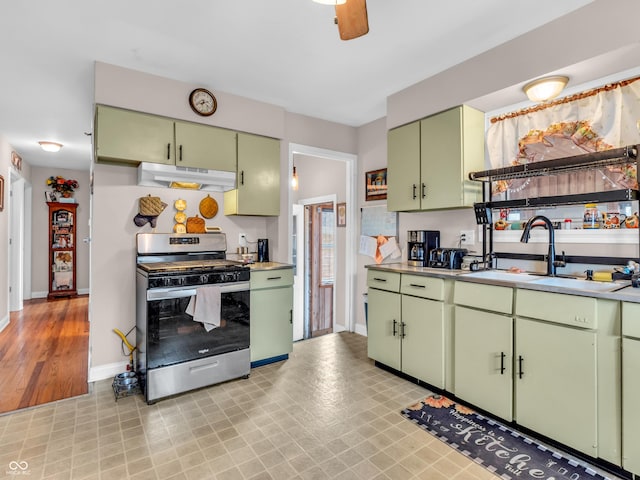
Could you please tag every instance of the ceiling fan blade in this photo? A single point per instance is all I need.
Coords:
(352, 20)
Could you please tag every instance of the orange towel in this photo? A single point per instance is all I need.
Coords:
(381, 240)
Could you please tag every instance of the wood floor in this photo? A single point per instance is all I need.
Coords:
(44, 353)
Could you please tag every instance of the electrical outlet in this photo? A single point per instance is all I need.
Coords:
(242, 240)
(467, 238)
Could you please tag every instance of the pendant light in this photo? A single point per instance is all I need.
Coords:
(294, 179)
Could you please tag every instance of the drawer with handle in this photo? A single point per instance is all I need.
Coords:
(382, 280)
(281, 277)
(425, 287)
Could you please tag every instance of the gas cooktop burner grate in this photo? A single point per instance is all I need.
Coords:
(191, 266)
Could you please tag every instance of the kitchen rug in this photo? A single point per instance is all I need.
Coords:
(501, 450)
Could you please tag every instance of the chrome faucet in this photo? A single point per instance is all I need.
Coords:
(551, 255)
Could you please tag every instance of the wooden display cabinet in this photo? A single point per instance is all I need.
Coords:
(62, 250)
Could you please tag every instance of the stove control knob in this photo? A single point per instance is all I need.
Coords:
(166, 281)
(204, 279)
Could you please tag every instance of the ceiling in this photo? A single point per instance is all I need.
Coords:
(284, 52)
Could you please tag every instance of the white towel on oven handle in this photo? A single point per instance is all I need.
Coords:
(204, 306)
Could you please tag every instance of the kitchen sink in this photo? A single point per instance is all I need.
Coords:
(503, 276)
(577, 284)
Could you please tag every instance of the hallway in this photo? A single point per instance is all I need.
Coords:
(44, 353)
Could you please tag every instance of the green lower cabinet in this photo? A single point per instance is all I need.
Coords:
(631, 412)
(423, 346)
(271, 316)
(483, 355)
(383, 337)
(555, 383)
(631, 387)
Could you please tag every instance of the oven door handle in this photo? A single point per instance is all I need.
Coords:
(181, 292)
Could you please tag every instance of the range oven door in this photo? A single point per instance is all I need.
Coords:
(174, 337)
(176, 354)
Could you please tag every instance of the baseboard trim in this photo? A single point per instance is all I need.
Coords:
(4, 322)
(361, 329)
(81, 291)
(109, 370)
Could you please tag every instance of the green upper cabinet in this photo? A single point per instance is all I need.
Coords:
(202, 146)
(132, 137)
(429, 161)
(403, 169)
(125, 136)
(258, 178)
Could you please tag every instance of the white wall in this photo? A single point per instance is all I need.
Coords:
(5, 166)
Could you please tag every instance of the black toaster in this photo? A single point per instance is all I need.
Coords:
(449, 258)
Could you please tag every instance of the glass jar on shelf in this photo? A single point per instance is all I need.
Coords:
(591, 216)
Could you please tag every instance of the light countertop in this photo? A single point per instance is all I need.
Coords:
(620, 290)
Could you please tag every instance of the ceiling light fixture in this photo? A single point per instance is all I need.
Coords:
(50, 146)
(331, 2)
(294, 179)
(545, 88)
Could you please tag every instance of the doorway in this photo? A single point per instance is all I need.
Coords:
(324, 184)
(320, 267)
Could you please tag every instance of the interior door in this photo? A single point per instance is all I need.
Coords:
(321, 275)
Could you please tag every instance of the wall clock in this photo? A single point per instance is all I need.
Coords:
(203, 102)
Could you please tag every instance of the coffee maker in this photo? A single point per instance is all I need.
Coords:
(419, 244)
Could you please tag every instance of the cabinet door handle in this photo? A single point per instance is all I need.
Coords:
(417, 286)
(520, 372)
(502, 357)
(168, 151)
(180, 152)
(291, 317)
(274, 278)
(380, 279)
(414, 191)
(394, 328)
(402, 325)
(242, 177)
(424, 193)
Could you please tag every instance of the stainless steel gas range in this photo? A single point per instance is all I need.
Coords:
(192, 313)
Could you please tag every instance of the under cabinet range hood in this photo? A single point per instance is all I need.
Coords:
(172, 176)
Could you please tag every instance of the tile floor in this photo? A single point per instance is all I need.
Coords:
(326, 413)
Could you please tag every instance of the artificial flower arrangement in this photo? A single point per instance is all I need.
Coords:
(59, 184)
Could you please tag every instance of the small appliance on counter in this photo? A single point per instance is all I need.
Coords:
(419, 245)
(449, 258)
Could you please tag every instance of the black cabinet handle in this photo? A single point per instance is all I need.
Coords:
(168, 151)
(414, 191)
(394, 328)
(291, 317)
(180, 152)
(520, 372)
(274, 278)
(417, 286)
(402, 325)
(242, 177)
(380, 279)
(502, 368)
(424, 194)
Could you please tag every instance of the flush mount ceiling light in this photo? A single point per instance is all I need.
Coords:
(50, 146)
(546, 88)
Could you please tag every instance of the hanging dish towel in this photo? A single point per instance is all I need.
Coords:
(204, 307)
